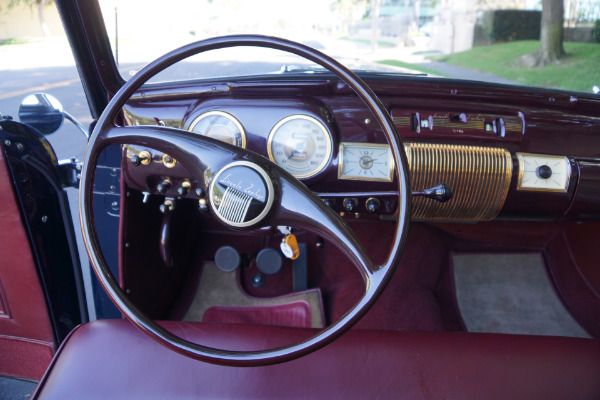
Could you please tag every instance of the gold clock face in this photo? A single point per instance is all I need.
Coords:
(368, 162)
(544, 173)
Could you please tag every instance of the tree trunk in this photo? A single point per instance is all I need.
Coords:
(551, 38)
(41, 5)
(374, 24)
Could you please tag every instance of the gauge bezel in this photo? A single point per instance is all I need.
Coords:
(341, 175)
(324, 130)
(561, 159)
(220, 113)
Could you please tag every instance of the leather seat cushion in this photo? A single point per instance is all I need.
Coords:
(112, 359)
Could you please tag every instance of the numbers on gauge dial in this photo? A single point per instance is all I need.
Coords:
(361, 161)
(221, 126)
(301, 145)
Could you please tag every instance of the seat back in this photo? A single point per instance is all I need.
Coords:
(112, 359)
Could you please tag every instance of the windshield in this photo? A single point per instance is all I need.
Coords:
(495, 41)
(137, 40)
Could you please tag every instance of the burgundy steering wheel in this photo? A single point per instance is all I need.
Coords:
(285, 201)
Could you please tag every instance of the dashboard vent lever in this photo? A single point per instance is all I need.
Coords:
(441, 193)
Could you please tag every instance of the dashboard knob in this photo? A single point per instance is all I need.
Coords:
(184, 188)
(143, 158)
(202, 206)
(169, 161)
(329, 203)
(372, 205)
(350, 204)
(164, 186)
(544, 171)
(166, 207)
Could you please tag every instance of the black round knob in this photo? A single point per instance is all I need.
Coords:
(372, 205)
(269, 261)
(227, 258)
(329, 203)
(350, 204)
(163, 186)
(135, 160)
(183, 190)
(166, 207)
(544, 171)
(258, 280)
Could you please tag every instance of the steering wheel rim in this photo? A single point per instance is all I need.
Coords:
(106, 133)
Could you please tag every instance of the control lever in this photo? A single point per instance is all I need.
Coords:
(165, 232)
(441, 193)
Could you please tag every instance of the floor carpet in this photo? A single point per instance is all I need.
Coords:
(510, 293)
(220, 291)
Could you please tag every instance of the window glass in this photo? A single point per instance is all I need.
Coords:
(489, 40)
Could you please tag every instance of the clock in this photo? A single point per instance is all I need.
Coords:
(543, 172)
(367, 162)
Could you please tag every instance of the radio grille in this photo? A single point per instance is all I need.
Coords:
(478, 176)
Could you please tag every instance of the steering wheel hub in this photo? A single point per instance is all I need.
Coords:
(241, 194)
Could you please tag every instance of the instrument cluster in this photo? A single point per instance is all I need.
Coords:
(302, 145)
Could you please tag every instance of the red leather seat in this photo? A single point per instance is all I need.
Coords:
(112, 359)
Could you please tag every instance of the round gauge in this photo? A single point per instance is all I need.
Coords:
(221, 126)
(301, 145)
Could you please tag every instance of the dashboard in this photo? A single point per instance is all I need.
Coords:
(501, 160)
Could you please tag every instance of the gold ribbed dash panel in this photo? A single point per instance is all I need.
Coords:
(478, 176)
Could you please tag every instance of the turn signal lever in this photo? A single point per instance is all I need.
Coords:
(441, 193)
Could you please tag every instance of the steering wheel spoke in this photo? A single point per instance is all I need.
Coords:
(301, 207)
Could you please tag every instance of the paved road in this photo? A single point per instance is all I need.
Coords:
(61, 82)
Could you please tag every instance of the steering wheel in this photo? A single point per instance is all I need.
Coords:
(284, 201)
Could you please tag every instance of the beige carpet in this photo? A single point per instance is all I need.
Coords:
(218, 288)
(510, 293)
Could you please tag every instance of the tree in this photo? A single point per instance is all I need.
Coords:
(39, 4)
(348, 11)
(552, 35)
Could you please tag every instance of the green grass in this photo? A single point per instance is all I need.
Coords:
(380, 43)
(402, 64)
(7, 42)
(580, 70)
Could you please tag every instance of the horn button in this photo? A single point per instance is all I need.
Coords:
(241, 194)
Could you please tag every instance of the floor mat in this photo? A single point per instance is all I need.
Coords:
(510, 293)
(12, 388)
(220, 299)
(296, 314)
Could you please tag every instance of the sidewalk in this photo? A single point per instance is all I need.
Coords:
(413, 55)
(453, 71)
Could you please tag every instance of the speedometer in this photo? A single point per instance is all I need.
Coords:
(301, 145)
(221, 126)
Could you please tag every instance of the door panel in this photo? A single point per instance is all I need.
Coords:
(27, 341)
